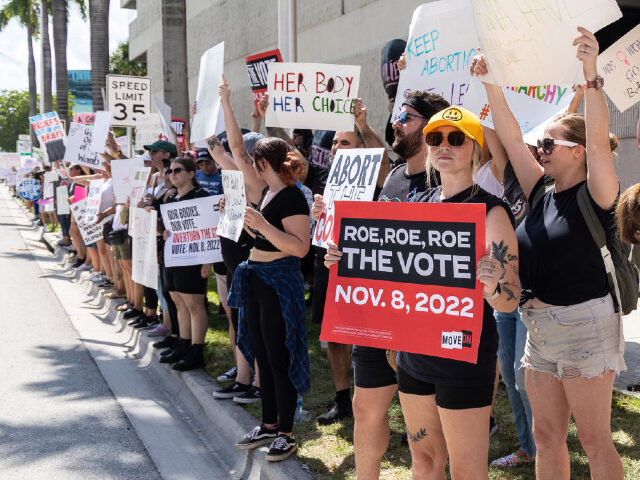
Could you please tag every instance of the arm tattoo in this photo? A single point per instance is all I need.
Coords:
(419, 435)
(499, 252)
(508, 291)
(214, 142)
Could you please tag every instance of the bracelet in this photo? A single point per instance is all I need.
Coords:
(495, 294)
(597, 83)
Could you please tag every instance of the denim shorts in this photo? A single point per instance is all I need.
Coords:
(582, 340)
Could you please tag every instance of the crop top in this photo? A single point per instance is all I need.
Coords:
(288, 202)
(560, 263)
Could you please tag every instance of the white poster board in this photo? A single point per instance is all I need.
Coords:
(164, 111)
(122, 173)
(353, 176)
(205, 121)
(148, 128)
(100, 131)
(124, 143)
(78, 150)
(92, 206)
(235, 204)
(140, 177)
(90, 232)
(62, 200)
(49, 178)
(532, 43)
(144, 251)
(127, 98)
(192, 225)
(619, 66)
(312, 95)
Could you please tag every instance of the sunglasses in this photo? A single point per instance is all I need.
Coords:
(402, 116)
(547, 144)
(455, 138)
(174, 170)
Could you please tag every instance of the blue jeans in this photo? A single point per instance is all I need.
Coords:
(513, 337)
(65, 224)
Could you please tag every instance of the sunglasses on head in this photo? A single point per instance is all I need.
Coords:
(174, 170)
(455, 138)
(402, 116)
(547, 144)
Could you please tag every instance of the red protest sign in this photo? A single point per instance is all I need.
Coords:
(178, 125)
(257, 68)
(406, 280)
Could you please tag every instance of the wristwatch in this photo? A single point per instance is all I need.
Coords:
(496, 293)
(596, 83)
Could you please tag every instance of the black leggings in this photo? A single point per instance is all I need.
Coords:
(173, 310)
(150, 298)
(267, 331)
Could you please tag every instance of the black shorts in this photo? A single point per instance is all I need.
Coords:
(320, 283)
(371, 368)
(234, 311)
(186, 280)
(452, 398)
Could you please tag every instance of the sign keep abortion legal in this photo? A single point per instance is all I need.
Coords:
(407, 278)
(312, 95)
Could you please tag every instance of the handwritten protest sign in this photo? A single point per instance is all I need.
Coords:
(50, 132)
(258, 68)
(92, 205)
(148, 127)
(100, 131)
(124, 142)
(532, 44)
(78, 147)
(312, 95)
(205, 121)
(193, 240)
(128, 97)
(140, 178)
(164, 111)
(235, 204)
(136, 229)
(62, 200)
(84, 118)
(353, 176)
(39, 155)
(407, 284)
(90, 232)
(619, 65)
(144, 250)
(9, 160)
(122, 173)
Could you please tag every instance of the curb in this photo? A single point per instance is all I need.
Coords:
(192, 389)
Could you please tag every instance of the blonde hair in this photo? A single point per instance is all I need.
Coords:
(476, 156)
(574, 129)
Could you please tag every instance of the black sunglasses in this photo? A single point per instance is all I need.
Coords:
(404, 116)
(455, 138)
(547, 144)
(174, 170)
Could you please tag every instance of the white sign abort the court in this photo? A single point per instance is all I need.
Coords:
(127, 98)
(192, 225)
(235, 204)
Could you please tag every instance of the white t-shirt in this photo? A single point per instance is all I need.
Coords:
(486, 180)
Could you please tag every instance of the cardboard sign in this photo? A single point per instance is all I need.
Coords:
(312, 95)
(62, 200)
(90, 232)
(407, 284)
(127, 98)
(205, 121)
(193, 240)
(533, 44)
(79, 147)
(619, 65)
(144, 250)
(92, 205)
(148, 127)
(122, 173)
(100, 132)
(47, 127)
(29, 189)
(258, 68)
(235, 204)
(353, 176)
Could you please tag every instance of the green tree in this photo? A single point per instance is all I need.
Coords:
(120, 64)
(99, 27)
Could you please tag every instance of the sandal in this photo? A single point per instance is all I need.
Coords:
(124, 306)
(512, 460)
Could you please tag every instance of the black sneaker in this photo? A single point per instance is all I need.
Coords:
(166, 342)
(231, 391)
(250, 396)
(143, 322)
(78, 262)
(228, 375)
(334, 413)
(131, 313)
(256, 437)
(281, 448)
(133, 321)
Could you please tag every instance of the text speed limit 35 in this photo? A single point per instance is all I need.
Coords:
(127, 98)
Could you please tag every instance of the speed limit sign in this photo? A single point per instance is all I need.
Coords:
(127, 98)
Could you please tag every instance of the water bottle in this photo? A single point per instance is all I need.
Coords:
(301, 415)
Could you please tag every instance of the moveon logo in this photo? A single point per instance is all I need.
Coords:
(457, 340)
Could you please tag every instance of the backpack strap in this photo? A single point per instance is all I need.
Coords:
(542, 191)
(598, 235)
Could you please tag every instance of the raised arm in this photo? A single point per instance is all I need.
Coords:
(499, 158)
(524, 164)
(370, 138)
(277, 132)
(578, 95)
(254, 184)
(219, 154)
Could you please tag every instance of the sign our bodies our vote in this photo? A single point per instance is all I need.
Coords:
(531, 43)
(79, 147)
(258, 68)
(192, 224)
(205, 121)
(312, 95)
(407, 284)
(144, 261)
(127, 98)
(235, 204)
(619, 66)
(353, 177)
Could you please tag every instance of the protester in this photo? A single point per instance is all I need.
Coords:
(574, 343)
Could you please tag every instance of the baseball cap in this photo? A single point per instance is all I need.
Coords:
(203, 155)
(461, 118)
(163, 145)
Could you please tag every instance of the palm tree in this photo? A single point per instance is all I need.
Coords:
(99, 25)
(45, 95)
(26, 12)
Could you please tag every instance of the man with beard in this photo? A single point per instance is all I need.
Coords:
(375, 380)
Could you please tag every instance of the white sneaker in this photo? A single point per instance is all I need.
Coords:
(82, 268)
(97, 278)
